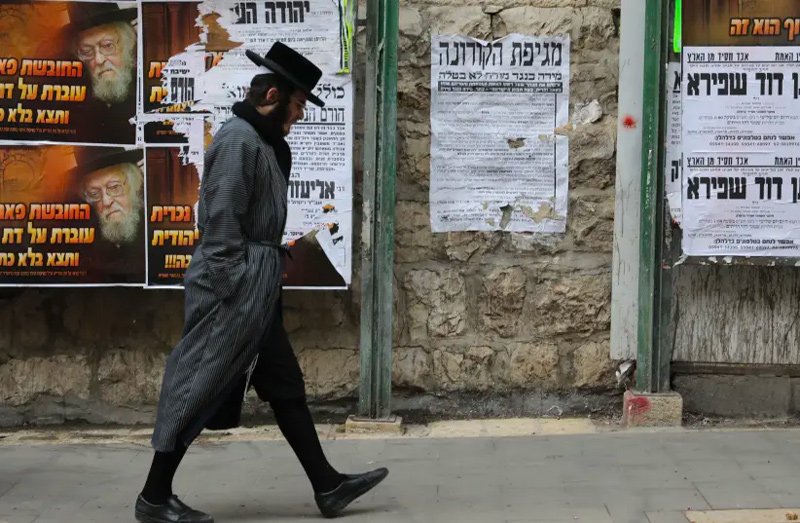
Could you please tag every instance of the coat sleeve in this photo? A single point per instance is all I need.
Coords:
(228, 185)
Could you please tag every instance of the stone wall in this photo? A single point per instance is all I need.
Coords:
(511, 322)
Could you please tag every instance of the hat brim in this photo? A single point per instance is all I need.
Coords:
(133, 156)
(123, 15)
(280, 71)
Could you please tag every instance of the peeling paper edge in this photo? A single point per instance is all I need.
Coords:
(325, 240)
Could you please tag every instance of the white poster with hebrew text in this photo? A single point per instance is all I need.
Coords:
(741, 136)
(498, 161)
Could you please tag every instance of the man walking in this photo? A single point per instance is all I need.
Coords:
(233, 335)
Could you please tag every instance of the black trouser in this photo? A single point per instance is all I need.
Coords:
(277, 379)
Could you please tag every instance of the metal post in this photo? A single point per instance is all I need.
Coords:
(650, 366)
(377, 237)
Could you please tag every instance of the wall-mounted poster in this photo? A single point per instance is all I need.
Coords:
(72, 215)
(498, 161)
(741, 128)
(80, 79)
(68, 71)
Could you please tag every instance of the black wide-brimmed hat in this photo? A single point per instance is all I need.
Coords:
(83, 15)
(291, 65)
(90, 159)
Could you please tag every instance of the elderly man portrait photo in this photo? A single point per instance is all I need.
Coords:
(102, 36)
(111, 181)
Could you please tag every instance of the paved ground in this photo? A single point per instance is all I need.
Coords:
(636, 477)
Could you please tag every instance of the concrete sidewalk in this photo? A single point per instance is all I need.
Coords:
(635, 477)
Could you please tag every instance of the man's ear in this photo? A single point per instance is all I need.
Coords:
(273, 96)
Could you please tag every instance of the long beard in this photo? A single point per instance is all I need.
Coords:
(114, 90)
(274, 121)
(124, 230)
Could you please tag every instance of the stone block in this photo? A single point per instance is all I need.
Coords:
(462, 246)
(308, 315)
(412, 367)
(414, 44)
(729, 395)
(795, 403)
(652, 410)
(588, 27)
(592, 143)
(595, 76)
(22, 381)
(413, 167)
(593, 365)
(573, 303)
(473, 369)
(537, 243)
(128, 377)
(30, 317)
(548, 20)
(594, 27)
(596, 174)
(436, 303)
(120, 318)
(770, 515)
(7, 328)
(502, 300)
(466, 20)
(413, 237)
(591, 222)
(533, 365)
(358, 425)
(410, 22)
(330, 373)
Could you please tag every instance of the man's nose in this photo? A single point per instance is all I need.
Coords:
(107, 200)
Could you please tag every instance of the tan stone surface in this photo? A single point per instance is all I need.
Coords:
(22, 381)
(652, 410)
(128, 377)
(593, 365)
(466, 246)
(473, 369)
(502, 300)
(573, 303)
(330, 372)
(412, 367)
(533, 365)
(436, 303)
(778, 515)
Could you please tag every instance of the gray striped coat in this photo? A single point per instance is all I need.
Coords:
(232, 284)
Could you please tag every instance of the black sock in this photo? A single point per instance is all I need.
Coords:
(294, 420)
(158, 487)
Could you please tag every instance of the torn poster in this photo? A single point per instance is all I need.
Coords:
(498, 158)
(741, 122)
(673, 151)
(173, 185)
(198, 68)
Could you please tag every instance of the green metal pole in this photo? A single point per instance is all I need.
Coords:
(649, 365)
(380, 172)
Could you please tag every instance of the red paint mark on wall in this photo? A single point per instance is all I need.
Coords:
(638, 405)
(629, 122)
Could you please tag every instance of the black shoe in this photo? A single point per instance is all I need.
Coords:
(173, 511)
(332, 503)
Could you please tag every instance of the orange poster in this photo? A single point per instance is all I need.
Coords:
(71, 215)
(68, 71)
